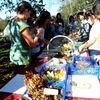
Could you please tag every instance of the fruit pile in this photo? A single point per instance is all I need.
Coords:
(54, 75)
(35, 85)
(54, 70)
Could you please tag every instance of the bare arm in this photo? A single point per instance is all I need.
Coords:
(28, 38)
(86, 44)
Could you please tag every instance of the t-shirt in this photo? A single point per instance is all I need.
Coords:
(19, 51)
(72, 26)
(95, 33)
(84, 30)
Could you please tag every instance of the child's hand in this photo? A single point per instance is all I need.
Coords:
(40, 31)
(80, 49)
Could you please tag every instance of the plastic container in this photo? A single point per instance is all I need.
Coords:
(54, 68)
(54, 73)
(84, 66)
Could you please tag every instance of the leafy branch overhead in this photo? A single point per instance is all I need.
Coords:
(10, 5)
(72, 7)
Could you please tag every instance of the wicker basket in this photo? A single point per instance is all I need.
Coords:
(55, 47)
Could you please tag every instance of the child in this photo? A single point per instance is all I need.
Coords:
(84, 27)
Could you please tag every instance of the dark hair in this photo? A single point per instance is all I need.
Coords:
(58, 14)
(33, 14)
(87, 15)
(91, 12)
(96, 8)
(44, 15)
(80, 13)
(22, 6)
(71, 18)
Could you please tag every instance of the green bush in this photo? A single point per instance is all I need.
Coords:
(3, 24)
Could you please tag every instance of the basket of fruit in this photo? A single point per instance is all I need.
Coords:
(60, 46)
(54, 72)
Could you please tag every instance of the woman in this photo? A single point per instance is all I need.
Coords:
(72, 25)
(94, 37)
(21, 39)
(59, 24)
(41, 24)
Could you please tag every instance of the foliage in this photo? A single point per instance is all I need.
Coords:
(10, 5)
(74, 6)
(3, 23)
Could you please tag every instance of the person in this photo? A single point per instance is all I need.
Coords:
(90, 17)
(53, 26)
(84, 27)
(21, 39)
(93, 44)
(71, 24)
(59, 24)
(41, 24)
(50, 29)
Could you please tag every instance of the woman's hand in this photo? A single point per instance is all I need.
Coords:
(86, 44)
